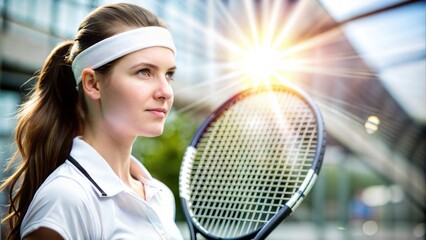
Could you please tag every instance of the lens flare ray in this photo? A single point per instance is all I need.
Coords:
(192, 106)
(294, 18)
(261, 45)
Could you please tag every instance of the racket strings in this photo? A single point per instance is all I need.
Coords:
(250, 161)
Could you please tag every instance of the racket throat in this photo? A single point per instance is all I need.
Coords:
(282, 214)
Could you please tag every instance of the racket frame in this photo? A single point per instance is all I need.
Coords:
(288, 208)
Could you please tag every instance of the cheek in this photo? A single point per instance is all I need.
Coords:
(113, 100)
(118, 107)
(121, 93)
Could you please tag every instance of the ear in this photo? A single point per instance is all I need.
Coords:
(90, 83)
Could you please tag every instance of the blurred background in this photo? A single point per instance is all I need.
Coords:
(363, 62)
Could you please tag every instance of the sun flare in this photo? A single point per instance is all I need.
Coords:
(260, 64)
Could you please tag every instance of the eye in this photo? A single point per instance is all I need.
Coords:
(144, 72)
(170, 75)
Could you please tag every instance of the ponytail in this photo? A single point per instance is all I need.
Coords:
(47, 123)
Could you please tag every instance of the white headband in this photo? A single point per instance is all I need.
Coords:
(119, 45)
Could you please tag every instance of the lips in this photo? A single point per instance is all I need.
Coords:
(158, 112)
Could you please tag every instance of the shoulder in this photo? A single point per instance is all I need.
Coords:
(62, 203)
(62, 193)
(63, 190)
(64, 185)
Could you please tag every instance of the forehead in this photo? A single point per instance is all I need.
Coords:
(159, 56)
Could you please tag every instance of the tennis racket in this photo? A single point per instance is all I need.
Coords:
(251, 163)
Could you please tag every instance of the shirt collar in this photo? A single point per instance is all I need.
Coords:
(99, 170)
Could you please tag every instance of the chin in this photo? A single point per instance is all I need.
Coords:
(152, 133)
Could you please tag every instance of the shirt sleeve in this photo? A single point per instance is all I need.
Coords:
(63, 206)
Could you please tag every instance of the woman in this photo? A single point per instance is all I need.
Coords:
(94, 96)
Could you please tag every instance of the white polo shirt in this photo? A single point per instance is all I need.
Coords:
(69, 203)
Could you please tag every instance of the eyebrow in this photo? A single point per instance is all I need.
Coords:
(149, 65)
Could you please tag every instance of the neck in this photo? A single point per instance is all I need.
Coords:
(115, 149)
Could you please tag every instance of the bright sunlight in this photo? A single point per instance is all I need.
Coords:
(260, 64)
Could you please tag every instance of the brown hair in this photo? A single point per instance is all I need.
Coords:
(54, 112)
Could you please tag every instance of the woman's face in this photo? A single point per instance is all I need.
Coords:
(137, 96)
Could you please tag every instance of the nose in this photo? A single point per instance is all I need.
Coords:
(164, 90)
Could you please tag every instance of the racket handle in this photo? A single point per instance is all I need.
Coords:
(284, 212)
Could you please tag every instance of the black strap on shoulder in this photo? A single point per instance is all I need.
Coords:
(85, 173)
